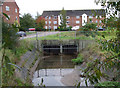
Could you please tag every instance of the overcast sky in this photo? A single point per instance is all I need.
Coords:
(34, 6)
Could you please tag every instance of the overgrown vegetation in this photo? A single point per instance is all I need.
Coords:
(78, 60)
(12, 49)
(107, 66)
(108, 84)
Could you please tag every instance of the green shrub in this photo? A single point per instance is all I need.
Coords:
(108, 84)
(78, 60)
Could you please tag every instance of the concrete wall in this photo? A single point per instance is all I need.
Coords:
(80, 43)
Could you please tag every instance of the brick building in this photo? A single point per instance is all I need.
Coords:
(11, 8)
(75, 18)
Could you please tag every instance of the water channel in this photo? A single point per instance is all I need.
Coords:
(52, 69)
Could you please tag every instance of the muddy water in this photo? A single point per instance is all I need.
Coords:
(52, 69)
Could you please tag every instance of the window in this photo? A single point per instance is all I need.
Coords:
(49, 27)
(16, 10)
(49, 22)
(96, 21)
(49, 17)
(55, 17)
(16, 18)
(90, 16)
(68, 17)
(46, 17)
(77, 22)
(55, 27)
(96, 16)
(45, 27)
(91, 21)
(100, 21)
(77, 17)
(55, 22)
(7, 8)
(100, 16)
(45, 22)
(67, 22)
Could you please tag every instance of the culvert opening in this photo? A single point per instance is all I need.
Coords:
(69, 49)
(59, 49)
(51, 49)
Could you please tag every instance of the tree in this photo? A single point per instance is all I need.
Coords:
(89, 26)
(95, 70)
(40, 22)
(27, 21)
(63, 19)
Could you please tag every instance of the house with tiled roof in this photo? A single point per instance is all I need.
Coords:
(75, 18)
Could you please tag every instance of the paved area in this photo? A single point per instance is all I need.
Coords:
(39, 34)
(51, 77)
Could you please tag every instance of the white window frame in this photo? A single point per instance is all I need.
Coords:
(7, 8)
(16, 18)
(16, 10)
(55, 27)
(45, 22)
(77, 22)
(77, 17)
(49, 17)
(46, 17)
(55, 22)
(96, 16)
(49, 22)
(96, 21)
(45, 27)
(100, 16)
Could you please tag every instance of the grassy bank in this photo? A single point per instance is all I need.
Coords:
(78, 35)
(14, 57)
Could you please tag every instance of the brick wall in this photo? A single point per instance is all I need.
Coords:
(72, 21)
(12, 6)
